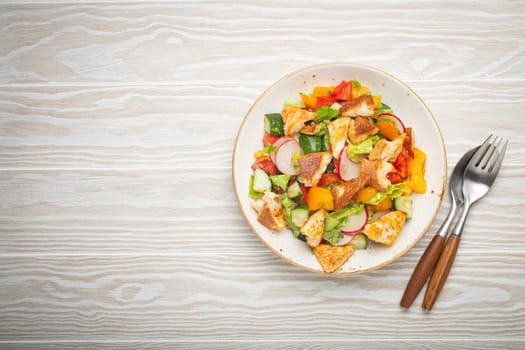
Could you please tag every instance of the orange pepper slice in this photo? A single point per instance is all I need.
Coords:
(319, 197)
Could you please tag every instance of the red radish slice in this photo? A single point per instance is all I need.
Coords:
(278, 144)
(356, 223)
(284, 157)
(345, 240)
(393, 119)
(348, 169)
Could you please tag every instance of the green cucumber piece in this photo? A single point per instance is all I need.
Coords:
(294, 190)
(405, 204)
(300, 215)
(273, 124)
(261, 181)
(311, 143)
(360, 241)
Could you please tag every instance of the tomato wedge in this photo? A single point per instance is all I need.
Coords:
(328, 179)
(269, 139)
(324, 101)
(266, 164)
(343, 91)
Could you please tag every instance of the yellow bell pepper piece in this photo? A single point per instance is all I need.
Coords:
(309, 101)
(416, 168)
(377, 101)
(360, 91)
(322, 91)
(365, 194)
(385, 204)
(318, 198)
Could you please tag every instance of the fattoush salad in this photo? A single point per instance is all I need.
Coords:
(339, 169)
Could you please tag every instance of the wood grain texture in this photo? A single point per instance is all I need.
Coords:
(375, 344)
(222, 41)
(170, 126)
(118, 225)
(183, 210)
(255, 294)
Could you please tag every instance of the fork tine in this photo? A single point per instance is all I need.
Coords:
(497, 164)
(480, 152)
(490, 157)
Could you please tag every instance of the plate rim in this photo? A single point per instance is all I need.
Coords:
(440, 195)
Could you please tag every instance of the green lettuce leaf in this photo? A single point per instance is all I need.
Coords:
(326, 113)
(280, 181)
(364, 147)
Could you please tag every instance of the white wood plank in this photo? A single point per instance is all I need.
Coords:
(120, 126)
(375, 344)
(184, 212)
(196, 126)
(235, 296)
(223, 41)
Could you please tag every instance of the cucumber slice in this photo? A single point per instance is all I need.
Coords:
(311, 143)
(405, 204)
(360, 241)
(294, 190)
(300, 215)
(261, 181)
(273, 124)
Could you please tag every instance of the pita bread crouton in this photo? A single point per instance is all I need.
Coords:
(386, 150)
(359, 129)
(338, 130)
(294, 119)
(376, 171)
(312, 167)
(343, 192)
(313, 228)
(360, 106)
(331, 258)
(270, 211)
(386, 228)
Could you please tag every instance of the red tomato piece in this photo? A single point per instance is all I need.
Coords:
(401, 163)
(269, 139)
(394, 177)
(328, 179)
(343, 91)
(324, 101)
(266, 164)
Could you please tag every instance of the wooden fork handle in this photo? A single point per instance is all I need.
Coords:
(441, 271)
(423, 269)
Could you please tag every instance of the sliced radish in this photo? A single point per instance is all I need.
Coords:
(347, 169)
(393, 119)
(356, 223)
(278, 144)
(345, 240)
(284, 157)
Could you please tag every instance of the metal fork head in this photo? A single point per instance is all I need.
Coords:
(483, 168)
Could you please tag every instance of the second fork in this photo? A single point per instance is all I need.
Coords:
(479, 175)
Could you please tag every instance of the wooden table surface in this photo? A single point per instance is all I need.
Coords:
(118, 224)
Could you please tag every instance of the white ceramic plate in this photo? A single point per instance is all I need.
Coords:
(404, 102)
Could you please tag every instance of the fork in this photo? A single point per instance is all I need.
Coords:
(480, 173)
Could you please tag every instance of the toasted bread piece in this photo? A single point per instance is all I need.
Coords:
(359, 106)
(270, 211)
(386, 228)
(360, 128)
(294, 119)
(312, 166)
(313, 228)
(343, 192)
(386, 150)
(376, 171)
(409, 142)
(338, 130)
(331, 258)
